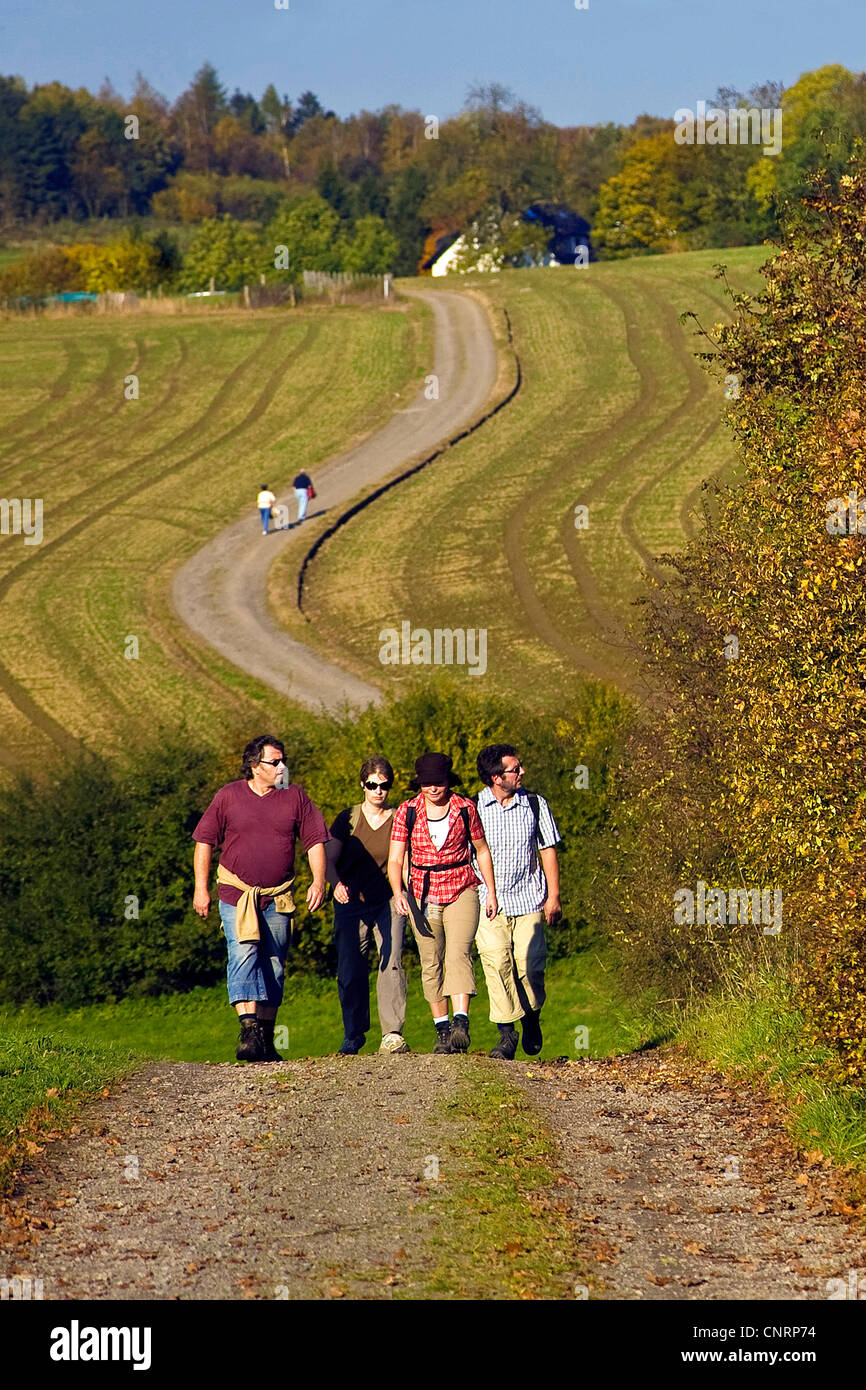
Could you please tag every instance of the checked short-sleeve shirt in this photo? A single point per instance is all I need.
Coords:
(447, 884)
(510, 832)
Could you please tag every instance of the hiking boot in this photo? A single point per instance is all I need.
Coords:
(506, 1046)
(459, 1033)
(250, 1047)
(350, 1047)
(443, 1037)
(393, 1042)
(532, 1039)
(269, 1052)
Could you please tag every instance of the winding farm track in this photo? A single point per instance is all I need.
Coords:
(221, 593)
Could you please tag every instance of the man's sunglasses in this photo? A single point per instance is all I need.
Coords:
(378, 786)
(273, 762)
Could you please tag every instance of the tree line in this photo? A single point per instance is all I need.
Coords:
(383, 186)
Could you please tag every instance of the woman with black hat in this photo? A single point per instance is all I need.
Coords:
(441, 829)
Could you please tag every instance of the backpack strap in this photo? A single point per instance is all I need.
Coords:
(464, 816)
(533, 801)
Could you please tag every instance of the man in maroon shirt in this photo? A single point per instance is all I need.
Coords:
(256, 823)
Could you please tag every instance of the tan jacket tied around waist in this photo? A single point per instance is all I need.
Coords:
(247, 910)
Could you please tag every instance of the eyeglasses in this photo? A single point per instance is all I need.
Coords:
(377, 786)
(518, 767)
(273, 762)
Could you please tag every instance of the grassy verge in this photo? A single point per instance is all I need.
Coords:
(758, 1035)
(752, 1031)
(45, 1078)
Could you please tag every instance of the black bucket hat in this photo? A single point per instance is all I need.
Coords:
(434, 770)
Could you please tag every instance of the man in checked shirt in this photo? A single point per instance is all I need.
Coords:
(522, 836)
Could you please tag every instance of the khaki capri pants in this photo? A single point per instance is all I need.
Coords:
(513, 953)
(446, 952)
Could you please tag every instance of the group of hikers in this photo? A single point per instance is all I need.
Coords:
(461, 872)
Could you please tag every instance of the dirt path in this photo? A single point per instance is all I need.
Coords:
(683, 1186)
(221, 593)
(310, 1179)
(199, 1181)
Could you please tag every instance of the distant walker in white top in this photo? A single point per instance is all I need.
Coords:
(264, 502)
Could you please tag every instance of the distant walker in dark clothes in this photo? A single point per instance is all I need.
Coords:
(357, 855)
(304, 491)
(257, 823)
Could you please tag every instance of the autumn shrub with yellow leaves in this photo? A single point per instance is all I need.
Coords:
(748, 768)
(124, 263)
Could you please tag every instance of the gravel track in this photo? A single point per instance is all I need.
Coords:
(684, 1186)
(197, 1181)
(221, 593)
(307, 1180)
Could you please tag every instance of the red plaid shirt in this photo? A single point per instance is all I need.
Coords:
(448, 884)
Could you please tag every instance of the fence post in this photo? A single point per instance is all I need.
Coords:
(247, 296)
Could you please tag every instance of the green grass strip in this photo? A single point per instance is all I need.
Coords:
(499, 1225)
(44, 1078)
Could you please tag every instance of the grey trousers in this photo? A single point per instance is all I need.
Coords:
(353, 925)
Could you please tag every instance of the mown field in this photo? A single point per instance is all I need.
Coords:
(227, 400)
(613, 413)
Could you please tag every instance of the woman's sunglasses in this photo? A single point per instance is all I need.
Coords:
(377, 786)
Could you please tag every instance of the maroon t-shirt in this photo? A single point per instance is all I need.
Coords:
(258, 833)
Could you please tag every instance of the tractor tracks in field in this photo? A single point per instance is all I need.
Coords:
(259, 360)
(602, 648)
(58, 389)
(89, 415)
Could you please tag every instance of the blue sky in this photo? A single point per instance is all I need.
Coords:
(608, 62)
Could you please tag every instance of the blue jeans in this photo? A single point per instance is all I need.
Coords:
(265, 513)
(256, 969)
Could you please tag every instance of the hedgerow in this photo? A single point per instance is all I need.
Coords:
(749, 765)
